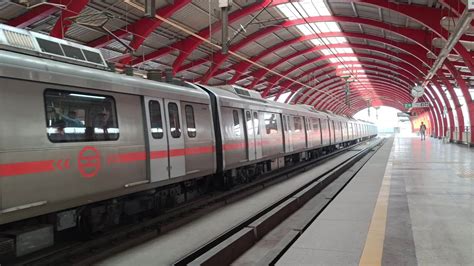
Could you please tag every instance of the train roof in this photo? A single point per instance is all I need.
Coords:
(233, 95)
(27, 67)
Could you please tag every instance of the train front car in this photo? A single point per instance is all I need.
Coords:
(82, 148)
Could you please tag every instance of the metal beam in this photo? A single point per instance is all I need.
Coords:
(73, 8)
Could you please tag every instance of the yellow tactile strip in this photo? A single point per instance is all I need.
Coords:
(373, 249)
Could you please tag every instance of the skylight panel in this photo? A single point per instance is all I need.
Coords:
(336, 40)
(344, 50)
(317, 42)
(321, 7)
(321, 26)
(332, 26)
(289, 11)
(326, 52)
(306, 8)
(305, 29)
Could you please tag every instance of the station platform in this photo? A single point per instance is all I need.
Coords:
(412, 204)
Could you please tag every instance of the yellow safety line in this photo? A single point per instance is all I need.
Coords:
(373, 249)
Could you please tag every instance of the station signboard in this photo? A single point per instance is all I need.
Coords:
(470, 5)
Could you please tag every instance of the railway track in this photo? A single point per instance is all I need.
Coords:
(229, 246)
(127, 236)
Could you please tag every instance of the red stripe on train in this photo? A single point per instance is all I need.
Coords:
(25, 168)
(233, 146)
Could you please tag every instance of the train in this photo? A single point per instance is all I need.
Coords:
(83, 147)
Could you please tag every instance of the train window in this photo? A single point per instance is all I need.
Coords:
(93, 57)
(156, 120)
(315, 123)
(50, 47)
(288, 123)
(284, 124)
(175, 126)
(76, 116)
(73, 52)
(256, 123)
(235, 115)
(270, 123)
(190, 122)
(298, 124)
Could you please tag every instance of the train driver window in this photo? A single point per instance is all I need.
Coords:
(175, 126)
(76, 116)
(156, 120)
(190, 122)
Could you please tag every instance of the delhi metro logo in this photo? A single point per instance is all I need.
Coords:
(89, 162)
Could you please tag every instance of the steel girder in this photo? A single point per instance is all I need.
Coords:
(418, 36)
(34, 15)
(404, 96)
(451, 111)
(73, 8)
(186, 46)
(243, 66)
(366, 65)
(275, 79)
(426, 17)
(417, 66)
(141, 28)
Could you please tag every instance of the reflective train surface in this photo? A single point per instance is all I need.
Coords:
(83, 148)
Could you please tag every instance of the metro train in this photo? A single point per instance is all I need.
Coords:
(82, 147)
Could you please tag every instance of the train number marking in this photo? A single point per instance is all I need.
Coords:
(89, 162)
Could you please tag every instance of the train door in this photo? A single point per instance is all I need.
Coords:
(331, 141)
(307, 130)
(291, 128)
(258, 136)
(157, 140)
(251, 150)
(177, 160)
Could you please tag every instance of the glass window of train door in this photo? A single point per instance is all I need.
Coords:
(155, 119)
(248, 120)
(334, 130)
(175, 127)
(190, 121)
(235, 115)
(256, 123)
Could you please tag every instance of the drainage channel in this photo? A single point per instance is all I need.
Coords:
(237, 241)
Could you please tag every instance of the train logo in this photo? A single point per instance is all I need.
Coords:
(89, 162)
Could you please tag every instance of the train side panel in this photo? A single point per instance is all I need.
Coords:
(41, 171)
